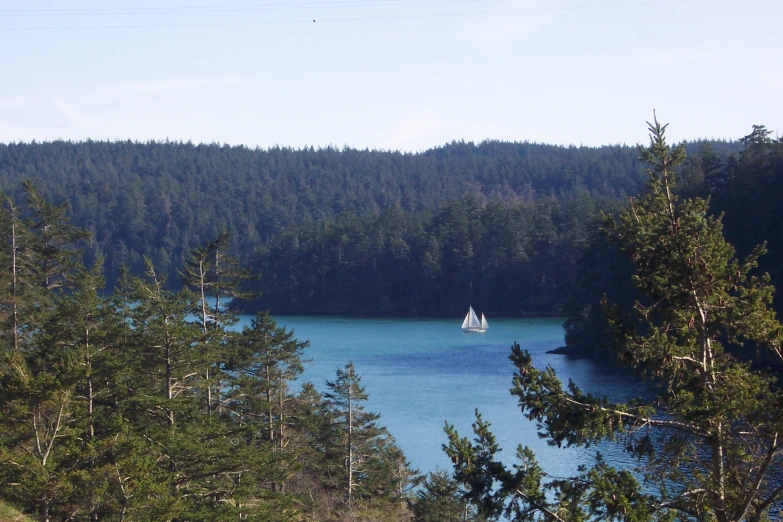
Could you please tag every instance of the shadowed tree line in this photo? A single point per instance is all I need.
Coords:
(504, 259)
(162, 199)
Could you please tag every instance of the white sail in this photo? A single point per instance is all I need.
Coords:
(471, 324)
(474, 320)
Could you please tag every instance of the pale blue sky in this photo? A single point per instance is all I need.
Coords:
(391, 74)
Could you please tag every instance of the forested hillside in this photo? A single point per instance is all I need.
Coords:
(337, 230)
(506, 259)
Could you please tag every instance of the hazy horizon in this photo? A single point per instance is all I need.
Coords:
(389, 74)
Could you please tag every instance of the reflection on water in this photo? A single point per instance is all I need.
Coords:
(421, 373)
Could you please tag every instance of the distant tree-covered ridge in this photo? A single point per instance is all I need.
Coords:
(163, 199)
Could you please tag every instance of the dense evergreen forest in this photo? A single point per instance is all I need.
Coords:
(511, 228)
(329, 231)
(144, 404)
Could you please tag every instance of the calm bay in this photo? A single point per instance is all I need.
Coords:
(421, 373)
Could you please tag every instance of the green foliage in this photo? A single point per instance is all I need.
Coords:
(407, 249)
(505, 259)
(164, 200)
(440, 499)
(743, 190)
(366, 464)
(264, 360)
(105, 408)
(9, 514)
(748, 199)
(54, 239)
(708, 443)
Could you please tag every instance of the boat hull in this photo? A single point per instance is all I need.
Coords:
(473, 330)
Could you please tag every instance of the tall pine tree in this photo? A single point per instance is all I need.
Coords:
(709, 442)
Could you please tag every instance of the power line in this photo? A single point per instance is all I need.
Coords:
(188, 7)
(515, 11)
(329, 4)
(357, 19)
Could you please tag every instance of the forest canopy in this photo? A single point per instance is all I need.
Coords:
(361, 231)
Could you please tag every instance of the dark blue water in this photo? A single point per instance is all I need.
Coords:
(421, 373)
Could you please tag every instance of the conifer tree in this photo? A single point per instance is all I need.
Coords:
(210, 272)
(709, 443)
(440, 499)
(229, 277)
(102, 403)
(266, 359)
(163, 362)
(198, 277)
(364, 449)
(20, 293)
(55, 240)
(83, 328)
(208, 466)
(39, 433)
(40, 408)
(354, 427)
(169, 347)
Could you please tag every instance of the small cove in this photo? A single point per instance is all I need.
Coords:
(421, 373)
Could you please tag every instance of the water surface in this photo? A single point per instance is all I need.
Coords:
(421, 373)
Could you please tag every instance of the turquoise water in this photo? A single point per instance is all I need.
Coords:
(421, 373)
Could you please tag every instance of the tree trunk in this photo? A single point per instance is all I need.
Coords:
(270, 426)
(169, 384)
(90, 396)
(202, 285)
(280, 397)
(350, 444)
(44, 513)
(217, 314)
(14, 283)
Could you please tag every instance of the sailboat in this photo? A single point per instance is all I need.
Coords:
(471, 323)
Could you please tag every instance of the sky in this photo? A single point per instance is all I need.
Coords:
(388, 74)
